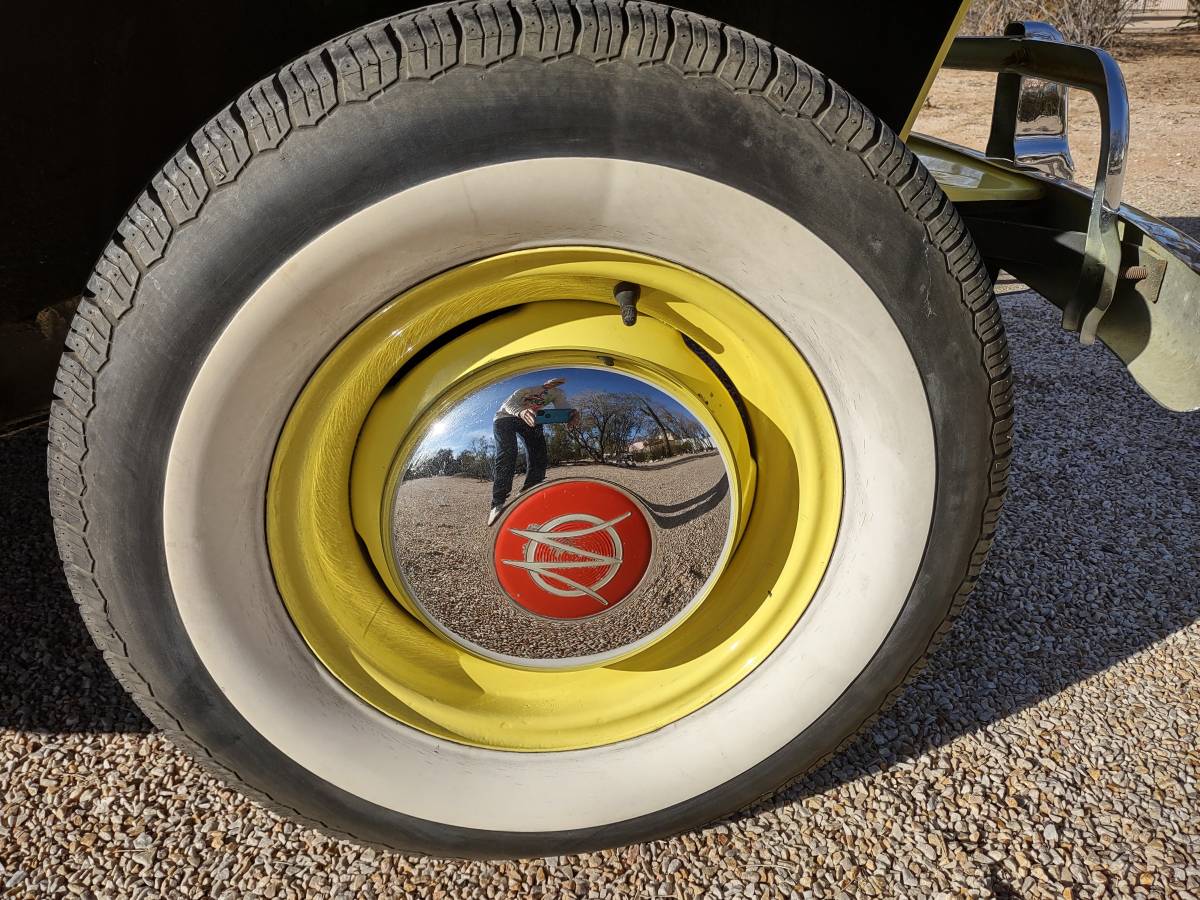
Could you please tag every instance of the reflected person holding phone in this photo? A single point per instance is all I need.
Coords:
(523, 414)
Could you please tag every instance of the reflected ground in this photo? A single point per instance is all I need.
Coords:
(624, 432)
(451, 566)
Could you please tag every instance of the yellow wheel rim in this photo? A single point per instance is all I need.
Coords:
(531, 336)
(338, 450)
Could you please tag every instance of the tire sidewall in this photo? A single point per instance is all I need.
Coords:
(414, 133)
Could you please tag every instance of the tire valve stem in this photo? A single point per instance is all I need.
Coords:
(627, 294)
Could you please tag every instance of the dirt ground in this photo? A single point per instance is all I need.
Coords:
(1162, 72)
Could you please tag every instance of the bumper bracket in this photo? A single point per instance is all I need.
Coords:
(1034, 50)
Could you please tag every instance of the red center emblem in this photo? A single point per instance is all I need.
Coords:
(572, 549)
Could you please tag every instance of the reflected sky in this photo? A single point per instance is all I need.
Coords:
(471, 419)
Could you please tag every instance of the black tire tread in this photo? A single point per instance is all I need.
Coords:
(424, 45)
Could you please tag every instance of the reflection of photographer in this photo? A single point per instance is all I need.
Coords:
(523, 414)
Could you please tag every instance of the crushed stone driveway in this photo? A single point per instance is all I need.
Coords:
(1050, 749)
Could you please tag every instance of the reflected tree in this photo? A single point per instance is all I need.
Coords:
(478, 460)
(607, 423)
(658, 416)
(613, 427)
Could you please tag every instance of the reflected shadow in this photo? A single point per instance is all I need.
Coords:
(52, 677)
(672, 515)
(749, 577)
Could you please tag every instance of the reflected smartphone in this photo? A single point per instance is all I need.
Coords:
(553, 416)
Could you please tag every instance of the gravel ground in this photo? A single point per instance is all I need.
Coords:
(450, 567)
(1050, 749)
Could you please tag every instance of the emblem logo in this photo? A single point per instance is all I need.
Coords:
(573, 549)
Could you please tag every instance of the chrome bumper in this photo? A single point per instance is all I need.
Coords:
(1030, 126)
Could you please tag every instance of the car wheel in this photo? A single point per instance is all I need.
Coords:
(351, 268)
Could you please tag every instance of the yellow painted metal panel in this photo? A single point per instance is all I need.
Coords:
(324, 497)
(966, 178)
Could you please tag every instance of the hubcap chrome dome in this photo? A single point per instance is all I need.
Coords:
(614, 543)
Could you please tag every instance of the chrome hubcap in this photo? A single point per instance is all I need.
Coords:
(620, 518)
